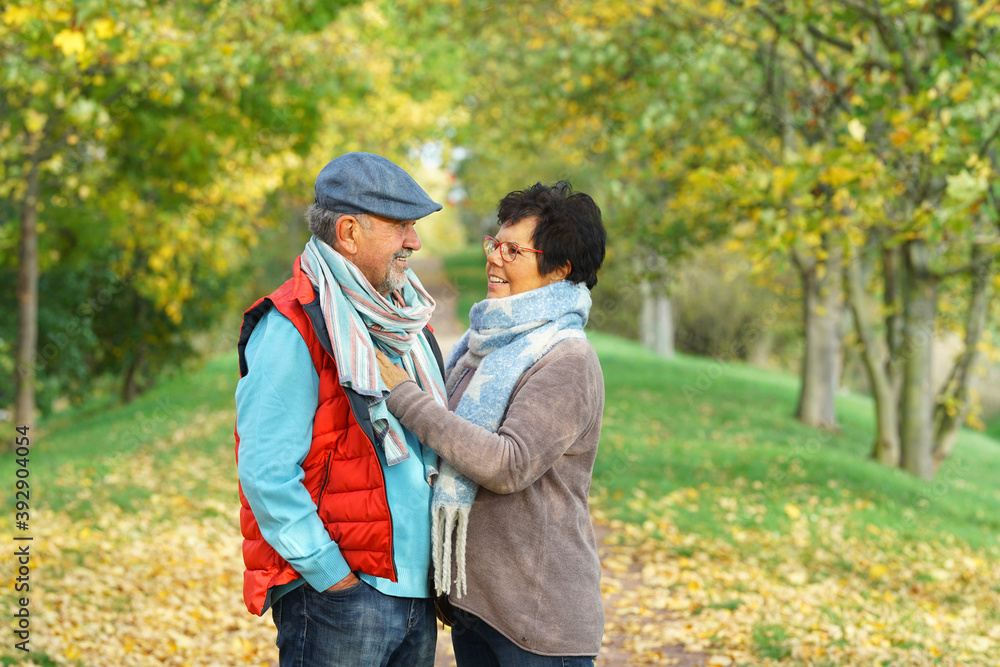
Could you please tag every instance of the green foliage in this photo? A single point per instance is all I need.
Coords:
(467, 272)
(160, 139)
(616, 299)
(724, 311)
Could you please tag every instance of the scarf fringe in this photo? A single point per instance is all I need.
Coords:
(445, 523)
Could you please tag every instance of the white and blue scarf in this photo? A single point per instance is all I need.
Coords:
(506, 337)
(357, 316)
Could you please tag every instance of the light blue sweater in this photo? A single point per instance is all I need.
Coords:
(275, 405)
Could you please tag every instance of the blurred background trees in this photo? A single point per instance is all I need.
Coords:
(806, 186)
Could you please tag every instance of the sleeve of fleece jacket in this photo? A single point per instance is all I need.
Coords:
(275, 405)
(552, 405)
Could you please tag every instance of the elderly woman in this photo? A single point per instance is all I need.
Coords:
(526, 394)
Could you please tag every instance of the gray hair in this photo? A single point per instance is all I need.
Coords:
(323, 223)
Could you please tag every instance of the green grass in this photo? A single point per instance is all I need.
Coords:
(993, 428)
(727, 430)
(90, 441)
(771, 641)
(39, 659)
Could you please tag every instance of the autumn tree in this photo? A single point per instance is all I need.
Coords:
(892, 170)
(843, 135)
(932, 121)
(144, 143)
(612, 95)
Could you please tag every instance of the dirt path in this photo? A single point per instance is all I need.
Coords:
(617, 609)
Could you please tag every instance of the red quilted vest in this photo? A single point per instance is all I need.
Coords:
(342, 471)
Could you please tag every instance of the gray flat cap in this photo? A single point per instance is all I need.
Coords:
(367, 183)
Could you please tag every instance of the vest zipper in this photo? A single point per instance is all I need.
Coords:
(388, 509)
(326, 478)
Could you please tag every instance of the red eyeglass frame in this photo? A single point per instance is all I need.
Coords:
(505, 244)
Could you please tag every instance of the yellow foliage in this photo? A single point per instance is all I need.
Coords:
(717, 9)
(780, 180)
(856, 129)
(34, 121)
(961, 90)
(836, 175)
(744, 229)
(899, 136)
(984, 10)
(104, 28)
(812, 240)
(924, 139)
(70, 41)
(58, 14)
(16, 16)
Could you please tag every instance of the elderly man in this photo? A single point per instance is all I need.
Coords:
(335, 492)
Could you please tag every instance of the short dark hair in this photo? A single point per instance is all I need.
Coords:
(569, 228)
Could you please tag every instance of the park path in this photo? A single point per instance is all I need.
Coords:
(618, 583)
(447, 328)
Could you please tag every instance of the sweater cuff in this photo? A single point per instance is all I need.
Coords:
(401, 393)
(325, 571)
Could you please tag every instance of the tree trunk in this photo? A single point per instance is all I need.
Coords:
(893, 272)
(953, 403)
(886, 449)
(130, 384)
(656, 318)
(27, 303)
(891, 301)
(822, 305)
(759, 352)
(917, 399)
(646, 313)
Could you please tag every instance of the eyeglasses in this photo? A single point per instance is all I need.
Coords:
(508, 249)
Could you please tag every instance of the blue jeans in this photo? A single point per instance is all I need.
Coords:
(355, 627)
(477, 644)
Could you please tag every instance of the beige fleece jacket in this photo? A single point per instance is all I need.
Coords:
(532, 565)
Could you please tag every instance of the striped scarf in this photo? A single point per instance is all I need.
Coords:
(506, 337)
(358, 319)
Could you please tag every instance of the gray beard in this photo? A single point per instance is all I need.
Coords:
(394, 280)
